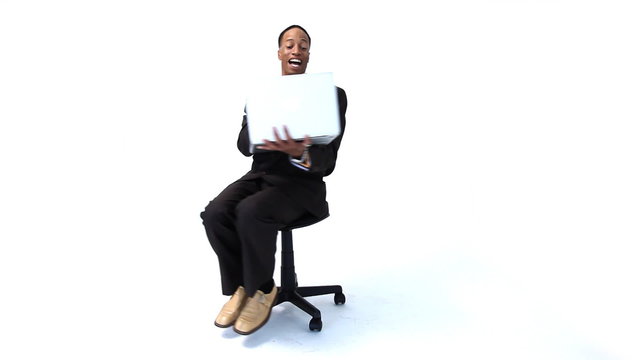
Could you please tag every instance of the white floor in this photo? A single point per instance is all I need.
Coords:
(157, 298)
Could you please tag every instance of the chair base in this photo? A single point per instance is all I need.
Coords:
(297, 295)
(289, 289)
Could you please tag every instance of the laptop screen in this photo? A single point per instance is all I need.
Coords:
(307, 104)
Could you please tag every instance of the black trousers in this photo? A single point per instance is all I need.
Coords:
(242, 225)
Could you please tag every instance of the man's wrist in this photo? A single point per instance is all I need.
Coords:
(299, 155)
(302, 160)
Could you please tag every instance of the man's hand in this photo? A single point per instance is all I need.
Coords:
(286, 145)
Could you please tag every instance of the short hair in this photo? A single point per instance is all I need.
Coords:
(289, 28)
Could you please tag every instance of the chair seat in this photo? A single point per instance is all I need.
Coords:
(304, 222)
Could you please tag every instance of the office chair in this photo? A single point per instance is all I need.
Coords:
(289, 289)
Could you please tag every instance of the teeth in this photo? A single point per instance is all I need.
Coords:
(296, 61)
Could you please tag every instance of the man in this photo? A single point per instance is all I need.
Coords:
(285, 183)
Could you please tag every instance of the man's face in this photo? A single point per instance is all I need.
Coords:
(294, 52)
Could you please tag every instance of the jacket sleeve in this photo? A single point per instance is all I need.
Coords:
(323, 157)
(243, 138)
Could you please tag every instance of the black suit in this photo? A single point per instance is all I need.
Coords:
(242, 222)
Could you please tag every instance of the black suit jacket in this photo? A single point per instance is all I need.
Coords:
(305, 187)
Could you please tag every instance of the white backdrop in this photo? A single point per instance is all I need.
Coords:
(490, 162)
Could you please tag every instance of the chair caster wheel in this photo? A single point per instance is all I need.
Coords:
(339, 299)
(315, 324)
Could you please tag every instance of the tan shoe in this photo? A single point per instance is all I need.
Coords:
(256, 312)
(231, 310)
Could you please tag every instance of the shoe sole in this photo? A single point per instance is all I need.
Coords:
(222, 326)
(261, 324)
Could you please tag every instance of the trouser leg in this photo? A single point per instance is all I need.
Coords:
(242, 225)
(219, 220)
(259, 217)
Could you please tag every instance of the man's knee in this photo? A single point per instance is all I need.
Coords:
(215, 212)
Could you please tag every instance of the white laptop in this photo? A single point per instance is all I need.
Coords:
(307, 104)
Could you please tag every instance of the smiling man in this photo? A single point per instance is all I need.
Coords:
(285, 184)
(293, 50)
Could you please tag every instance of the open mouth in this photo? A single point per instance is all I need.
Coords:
(295, 62)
